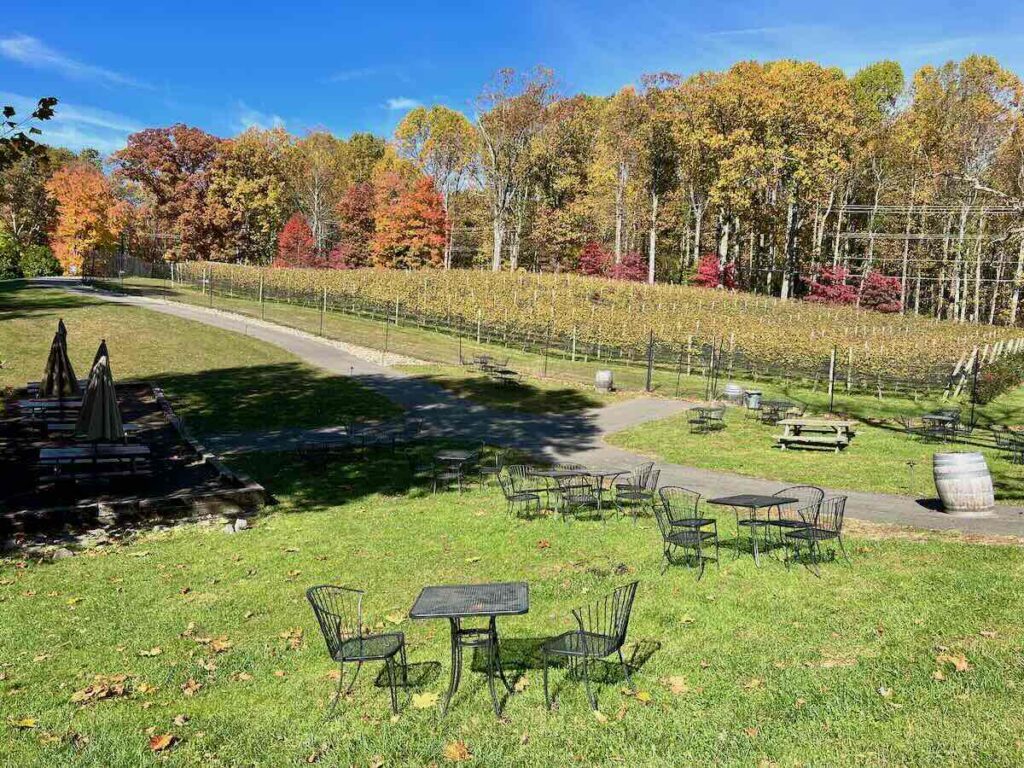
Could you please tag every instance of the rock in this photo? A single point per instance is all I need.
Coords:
(241, 524)
(62, 554)
(229, 528)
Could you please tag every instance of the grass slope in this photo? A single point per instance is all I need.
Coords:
(220, 381)
(749, 666)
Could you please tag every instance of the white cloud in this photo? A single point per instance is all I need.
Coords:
(401, 102)
(254, 118)
(35, 53)
(76, 126)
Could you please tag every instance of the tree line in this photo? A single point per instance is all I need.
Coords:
(785, 178)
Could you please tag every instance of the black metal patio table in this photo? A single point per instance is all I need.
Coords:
(753, 503)
(462, 601)
(455, 459)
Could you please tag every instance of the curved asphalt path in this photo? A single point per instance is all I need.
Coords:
(564, 437)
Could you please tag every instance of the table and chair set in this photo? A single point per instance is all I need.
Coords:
(472, 612)
(493, 368)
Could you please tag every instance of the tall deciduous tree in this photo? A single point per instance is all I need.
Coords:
(174, 166)
(511, 112)
(442, 143)
(296, 246)
(88, 215)
(316, 173)
(409, 229)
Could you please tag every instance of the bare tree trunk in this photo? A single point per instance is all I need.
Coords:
(498, 225)
(790, 241)
(958, 263)
(977, 267)
(620, 209)
(652, 243)
(995, 291)
(1018, 283)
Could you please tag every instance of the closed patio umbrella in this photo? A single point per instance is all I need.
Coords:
(101, 352)
(59, 378)
(100, 418)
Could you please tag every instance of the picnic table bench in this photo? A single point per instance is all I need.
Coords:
(68, 428)
(88, 461)
(33, 386)
(834, 434)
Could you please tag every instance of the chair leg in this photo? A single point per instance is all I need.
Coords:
(337, 689)
(547, 696)
(389, 664)
(405, 667)
(359, 666)
(625, 670)
(814, 558)
(842, 549)
(586, 682)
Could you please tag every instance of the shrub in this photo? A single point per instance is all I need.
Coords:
(881, 293)
(10, 261)
(594, 259)
(829, 287)
(710, 273)
(632, 267)
(1001, 376)
(39, 261)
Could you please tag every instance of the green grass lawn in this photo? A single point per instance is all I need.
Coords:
(219, 380)
(880, 458)
(749, 666)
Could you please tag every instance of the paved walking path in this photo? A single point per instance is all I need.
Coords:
(570, 437)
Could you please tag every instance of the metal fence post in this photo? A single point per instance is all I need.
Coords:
(323, 311)
(831, 380)
(547, 344)
(650, 363)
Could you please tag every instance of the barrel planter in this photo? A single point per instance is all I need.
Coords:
(753, 397)
(604, 382)
(963, 483)
(733, 392)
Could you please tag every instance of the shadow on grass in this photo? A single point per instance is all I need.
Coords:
(517, 395)
(270, 397)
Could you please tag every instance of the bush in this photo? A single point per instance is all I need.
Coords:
(881, 293)
(10, 260)
(829, 287)
(39, 261)
(1001, 376)
(632, 267)
(594, 259)
(710, 273)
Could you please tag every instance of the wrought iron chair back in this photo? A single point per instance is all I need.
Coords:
(339, 612)
(638, 476)
(678, 503)
(607, 619)
(808, 496)
(829, 515)
(651, 484)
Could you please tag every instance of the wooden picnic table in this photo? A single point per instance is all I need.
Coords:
(104, 459)
(834, 434)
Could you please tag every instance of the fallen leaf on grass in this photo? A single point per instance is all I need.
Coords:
(191, 687)
(643, 697)
(40, 657)
(475, 559)
(180, 720)
(244, 676)
(799, 703)
(220, 644)
(145, 688)
(294, 574)
(543, 544)
(279, 673)
(988, 633)
(521, 684)
(600, 716)
(753, 683)
(885, 693)
(938, 675)
(293, 637)
(752, 732)
(457, 751)
(395, 618)
(677, 685)
(424, 700)
(24, 722)
(102, 688)
(162, 741)
(151, 652)
(958, 660)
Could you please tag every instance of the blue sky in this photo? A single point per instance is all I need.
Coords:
(345, 66)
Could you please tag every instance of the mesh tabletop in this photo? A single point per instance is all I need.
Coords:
(457, 600)
(453, 455)
(752, 500)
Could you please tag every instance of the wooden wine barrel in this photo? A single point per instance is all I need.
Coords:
(963, 483)
(604, 382)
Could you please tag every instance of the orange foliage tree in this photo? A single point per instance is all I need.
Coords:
(410, 227)
(295, 244)
(89, 216)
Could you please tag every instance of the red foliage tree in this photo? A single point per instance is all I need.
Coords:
(829, 287)
(356, 223)
(710, 273)
(631, 267)
(594, 259)
(881, 293)
(295, 245)
(410, 226)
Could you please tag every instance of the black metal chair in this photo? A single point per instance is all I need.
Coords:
(823, 522)
(339, 612)
(912, 427)
(707, 420)
(576, 494)
(791, 516)
(516, 498)
(486, 469)
(527, 482)
(635, 498)
(681, 528)
(601, 631)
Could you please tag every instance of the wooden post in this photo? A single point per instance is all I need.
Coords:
(574, 343)
(479, 320)
(831, 379)
(849, 369)
(689, 355)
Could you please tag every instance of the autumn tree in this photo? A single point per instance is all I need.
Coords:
(409, 228)
(511, 112)
(296, 246)
(356, 225)
(27, 210)
(247, 197)
(316, 173)
(174, 166)
(442, 143)
(88, 214)
(17, 133)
